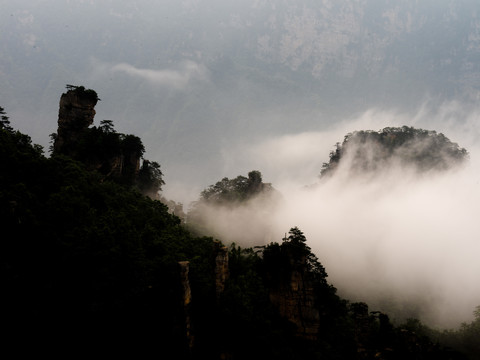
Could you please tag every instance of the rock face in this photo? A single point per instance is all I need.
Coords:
(295, 301)
(187, 299)
(75, 115)
(221, 268)
(221, 276)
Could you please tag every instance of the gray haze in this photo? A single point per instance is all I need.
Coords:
(217, 88)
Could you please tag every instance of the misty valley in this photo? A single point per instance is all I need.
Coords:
(95, 258)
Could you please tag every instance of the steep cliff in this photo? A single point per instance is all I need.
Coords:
(295, 301)
(187, 299)
(221, 268)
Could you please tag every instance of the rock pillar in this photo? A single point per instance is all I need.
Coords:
(187, 299)
(221, 268)
(295, 301)
(75, 115)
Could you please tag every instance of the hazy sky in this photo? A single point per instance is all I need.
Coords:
(192, 78)
(219, 88)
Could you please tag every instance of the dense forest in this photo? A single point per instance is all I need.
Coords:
(91, 260)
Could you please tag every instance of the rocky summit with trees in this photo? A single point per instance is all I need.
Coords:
(91, 263)
(369, 152)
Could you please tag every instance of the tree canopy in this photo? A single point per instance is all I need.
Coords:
(234, 191)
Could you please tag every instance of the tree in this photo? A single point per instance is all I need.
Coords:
(302, 255)
(4, 120)
(131, 144)
(80, 90)
(107, 126)
(150, 178)
(292, 255)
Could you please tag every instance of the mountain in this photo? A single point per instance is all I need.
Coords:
(375, 152)
(194, 78)
(90, 264)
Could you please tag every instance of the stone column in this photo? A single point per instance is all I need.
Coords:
(187, 299)
(221, 269)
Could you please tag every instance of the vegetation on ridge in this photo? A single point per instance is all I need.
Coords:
(372, 151)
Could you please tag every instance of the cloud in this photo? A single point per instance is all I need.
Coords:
(296, 159)
(179, 77)
(404, 243)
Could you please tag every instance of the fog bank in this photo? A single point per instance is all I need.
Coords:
(404, 243)
(397, 241)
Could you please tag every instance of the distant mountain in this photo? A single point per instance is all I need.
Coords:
(405, 148)
(193, 77)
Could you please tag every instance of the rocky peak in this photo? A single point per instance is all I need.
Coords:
(114, 155)
(75, 115)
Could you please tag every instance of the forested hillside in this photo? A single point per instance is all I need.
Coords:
(89, 262)
(372, 152)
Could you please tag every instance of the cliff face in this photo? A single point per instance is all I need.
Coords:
(221, 268)
(75, 115)
(187, 299)
(295, 301)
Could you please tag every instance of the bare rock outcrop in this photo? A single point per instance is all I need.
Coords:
(114, 155)
(187, 299)
(221, 268)
(75, 115)
(295, 301)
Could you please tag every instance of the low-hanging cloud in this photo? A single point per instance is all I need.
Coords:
(178, 77)
(404, 242)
